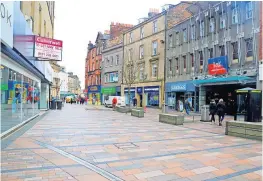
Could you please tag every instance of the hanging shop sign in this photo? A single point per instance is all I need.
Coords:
(218, 65)
(47, 48)
(139, 90)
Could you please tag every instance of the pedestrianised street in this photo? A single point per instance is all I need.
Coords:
(98, 144)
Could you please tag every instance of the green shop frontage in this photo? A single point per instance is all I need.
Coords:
(110, 91)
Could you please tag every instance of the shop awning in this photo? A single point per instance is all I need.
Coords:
(230, 79)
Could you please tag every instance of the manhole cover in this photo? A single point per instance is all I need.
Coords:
(125, 145)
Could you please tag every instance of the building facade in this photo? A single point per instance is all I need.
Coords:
(93, 67)
(73, 84)
(144, 46)
(213, 53)
(63, 76)
(112, 59)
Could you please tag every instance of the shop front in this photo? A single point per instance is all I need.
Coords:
(94, 94)
(180, 91)
(151, 96)
(108, 91)
(132, 95)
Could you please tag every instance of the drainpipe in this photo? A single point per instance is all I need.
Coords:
(164, 79)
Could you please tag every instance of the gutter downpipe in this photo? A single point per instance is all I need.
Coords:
(164, 79)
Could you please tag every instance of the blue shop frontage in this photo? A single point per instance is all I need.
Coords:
(180, 91)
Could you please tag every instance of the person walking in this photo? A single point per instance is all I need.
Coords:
(71, 100)
(114, 102)
(187, 106)
(221, 111)
(212, 110)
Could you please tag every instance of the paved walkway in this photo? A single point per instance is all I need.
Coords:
(99, 144)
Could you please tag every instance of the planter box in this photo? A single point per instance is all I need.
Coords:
(137, 113)
(123, 109)
(171, 119)
(244, 129)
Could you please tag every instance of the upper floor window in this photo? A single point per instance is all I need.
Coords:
(177, 38)
(141, 73)
(130, 55)
(93, 66)
(170, 65)
(170, 40)
(154, 70)
(193, 32)
(154, 48)
(192, 59)
(222, 50)
(222, 22)
(211, 53)
(212, 25)
(235, 15)
(184, 59)
(141, 51)
(142, 32)
(235, 50)
(155, 26)
(185, 35)
(248, 10)
(111, 58)
(177, 63)
(249, 47)
(108, 61)
(202, 28)
(201, 58)
(131, 37)
(117, 59)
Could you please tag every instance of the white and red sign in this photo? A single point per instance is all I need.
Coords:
(47, 48)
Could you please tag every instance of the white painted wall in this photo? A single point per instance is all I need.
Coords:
(64, 81)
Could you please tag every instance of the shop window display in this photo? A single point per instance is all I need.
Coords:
(15, 93)
(152, 99)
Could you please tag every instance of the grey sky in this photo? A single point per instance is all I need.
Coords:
(78, 21)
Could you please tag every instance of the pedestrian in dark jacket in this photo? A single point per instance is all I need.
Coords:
(221, 111)
(212, 110)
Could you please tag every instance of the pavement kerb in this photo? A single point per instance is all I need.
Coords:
(20, 125)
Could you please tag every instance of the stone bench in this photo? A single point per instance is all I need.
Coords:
(171, 119)
(137, 113)
(250, 130)
(123, 109)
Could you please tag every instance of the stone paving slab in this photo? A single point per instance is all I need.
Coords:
(106, 139)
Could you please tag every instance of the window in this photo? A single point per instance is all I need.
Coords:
(212, 25)
(108, 61)
(45, 29)
(192, 59)
(184, 35)
(235, 51)
(222, 50)
(111, 58)
(249, 47)
(201, 58)
(96, 80)
(131, 36)
(155, 26)
(177, 63)
(106, 78)
(202, 28)
(154, 48)
(170, 65)
(177, 38)
(193, 32)
(248, 10)
(235, 15)
(117, 60)
(154, 70)
(93, 66)
(30, 22)
(184, 59)
(222, 22)
(141, 52)
(142, 32)
(170, 40)
(130, 54)
(211, 53)
(141, 73)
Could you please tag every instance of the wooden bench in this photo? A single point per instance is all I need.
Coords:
(171, 119)
(137, 113)
(250, 130)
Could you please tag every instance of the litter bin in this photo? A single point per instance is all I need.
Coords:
(59, 104)
(205, 113)
(165, 108)
(53, 104)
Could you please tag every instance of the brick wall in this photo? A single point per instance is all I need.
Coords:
(116, 29)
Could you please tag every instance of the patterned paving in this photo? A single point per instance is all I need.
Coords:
(98, 144)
